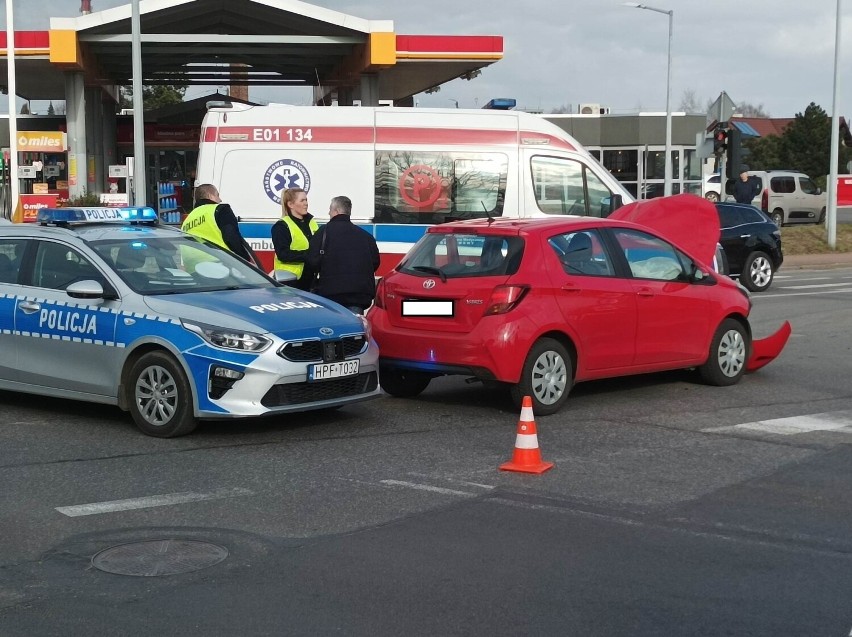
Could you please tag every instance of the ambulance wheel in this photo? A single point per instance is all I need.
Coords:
(159, 396)
(547, 377)
(403, 383)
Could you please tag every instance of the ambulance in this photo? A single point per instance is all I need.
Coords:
(403, 168)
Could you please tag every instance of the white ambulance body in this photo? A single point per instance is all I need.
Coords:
(403, 168)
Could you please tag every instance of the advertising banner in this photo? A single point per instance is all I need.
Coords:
(42, 142)
(29, 205)
(844, 190)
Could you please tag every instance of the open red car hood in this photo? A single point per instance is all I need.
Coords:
(687, 220)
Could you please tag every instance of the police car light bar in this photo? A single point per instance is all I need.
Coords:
(142, 214)
(130, 214)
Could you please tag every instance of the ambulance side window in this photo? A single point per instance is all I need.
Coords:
(436, 187)
(568, 187)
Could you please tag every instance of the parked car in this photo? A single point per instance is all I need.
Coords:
(752, 244)
(541, 304)
(712, 188)
(105, 307)
(787, 196)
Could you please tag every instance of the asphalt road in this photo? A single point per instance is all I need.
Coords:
(674, 508)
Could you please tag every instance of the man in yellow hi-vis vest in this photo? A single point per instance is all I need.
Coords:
(291, 237)
(215, 221)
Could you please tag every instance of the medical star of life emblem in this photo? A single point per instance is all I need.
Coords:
(283, 174)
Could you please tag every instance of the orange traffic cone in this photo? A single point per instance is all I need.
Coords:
(527, 456)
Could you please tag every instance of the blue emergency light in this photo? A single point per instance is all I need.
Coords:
(139, 214)
(502, 103)
(64, 216)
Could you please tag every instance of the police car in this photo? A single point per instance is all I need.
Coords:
(103, 305)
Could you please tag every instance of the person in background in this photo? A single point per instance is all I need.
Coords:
(345, 258)
(291, 237)
(745, 189)
(215, 221)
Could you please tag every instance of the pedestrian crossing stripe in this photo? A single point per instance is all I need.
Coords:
(840, 421)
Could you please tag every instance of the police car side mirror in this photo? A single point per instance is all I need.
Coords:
(88, 289)
(284, 276)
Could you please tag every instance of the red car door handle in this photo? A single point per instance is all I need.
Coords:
(645, 292)
(570, 288)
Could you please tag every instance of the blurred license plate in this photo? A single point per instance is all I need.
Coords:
(427, 308)
(324, 371)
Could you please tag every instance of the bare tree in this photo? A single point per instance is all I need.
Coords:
(751, 110)
(560, 110)
(689, 102)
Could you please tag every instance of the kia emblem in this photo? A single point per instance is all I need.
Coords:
(429, 284)
(326, 331)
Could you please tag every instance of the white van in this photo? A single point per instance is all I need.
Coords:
(403, 168)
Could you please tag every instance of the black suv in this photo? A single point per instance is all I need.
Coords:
(752, 244)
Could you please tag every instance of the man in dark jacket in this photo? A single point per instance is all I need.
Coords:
(745, 189)
(346, 258)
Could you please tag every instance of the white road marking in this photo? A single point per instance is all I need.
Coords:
(830, 421)
(811, 287)
(816, 278)
(776, 296)
(426, 487)
(147, 502)
(477, 484)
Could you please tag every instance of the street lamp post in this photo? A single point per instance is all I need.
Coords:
(668, 163)
(831, 186)
(14, 184)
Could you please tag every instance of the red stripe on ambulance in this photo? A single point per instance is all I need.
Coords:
(386, 135)
(290, 134)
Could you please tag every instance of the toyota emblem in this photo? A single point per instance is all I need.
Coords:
(429, 284)
(326, 331)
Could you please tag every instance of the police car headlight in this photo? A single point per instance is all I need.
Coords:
(229, 339)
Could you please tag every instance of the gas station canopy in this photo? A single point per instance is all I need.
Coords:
(245, 42)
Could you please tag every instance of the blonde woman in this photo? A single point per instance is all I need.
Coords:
(291, 237)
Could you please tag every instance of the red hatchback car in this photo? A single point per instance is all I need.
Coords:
(540, 304)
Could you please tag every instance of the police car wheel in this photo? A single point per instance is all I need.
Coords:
(159, 396)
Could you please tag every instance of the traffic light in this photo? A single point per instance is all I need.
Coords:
(736, 153)
(720, 141)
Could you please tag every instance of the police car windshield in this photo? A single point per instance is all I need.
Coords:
(177, 264)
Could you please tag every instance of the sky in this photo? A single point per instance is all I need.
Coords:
(560, 53)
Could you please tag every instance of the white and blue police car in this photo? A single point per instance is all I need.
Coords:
(101, 304)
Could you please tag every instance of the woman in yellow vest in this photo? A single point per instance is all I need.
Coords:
(291, 237)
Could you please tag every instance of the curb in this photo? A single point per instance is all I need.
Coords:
(818, 261)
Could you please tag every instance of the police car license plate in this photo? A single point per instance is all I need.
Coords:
(325, 371)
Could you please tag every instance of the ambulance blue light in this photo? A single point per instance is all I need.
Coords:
(502, 103)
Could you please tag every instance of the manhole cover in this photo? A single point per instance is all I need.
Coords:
(159, 557)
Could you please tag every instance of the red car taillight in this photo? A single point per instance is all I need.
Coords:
(380, 295)
(504, 298)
